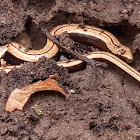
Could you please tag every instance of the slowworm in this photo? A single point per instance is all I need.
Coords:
(75, 64)
(89, 35)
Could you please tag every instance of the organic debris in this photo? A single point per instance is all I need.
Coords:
(3, 50)
(38, 110)
(3, 63)
(19, 97)
(108, 94)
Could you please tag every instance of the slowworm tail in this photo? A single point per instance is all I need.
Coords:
(105, 56)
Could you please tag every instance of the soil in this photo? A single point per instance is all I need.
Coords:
(98, 108)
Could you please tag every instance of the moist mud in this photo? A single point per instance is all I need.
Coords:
(105, 107)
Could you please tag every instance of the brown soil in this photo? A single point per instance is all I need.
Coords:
(107, 107)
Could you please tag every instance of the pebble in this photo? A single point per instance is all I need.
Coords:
(63, 58)
(72, 91)
(124, 11)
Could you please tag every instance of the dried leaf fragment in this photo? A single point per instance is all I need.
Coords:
(19, 97)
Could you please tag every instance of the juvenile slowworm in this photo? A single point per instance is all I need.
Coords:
(88, 35)
(74, 64)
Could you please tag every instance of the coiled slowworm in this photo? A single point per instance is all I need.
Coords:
(88, 35)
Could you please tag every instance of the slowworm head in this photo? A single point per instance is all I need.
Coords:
(126, 53)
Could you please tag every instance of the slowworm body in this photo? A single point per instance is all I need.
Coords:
(74, 64)
(90, 35)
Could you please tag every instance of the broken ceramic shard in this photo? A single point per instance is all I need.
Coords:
(19, 97)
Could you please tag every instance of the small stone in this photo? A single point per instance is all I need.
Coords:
(130, 8)
(63, 58)
(124, 11)
(91, 5)
(72, 91)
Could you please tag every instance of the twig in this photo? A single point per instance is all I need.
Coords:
(60, 45)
